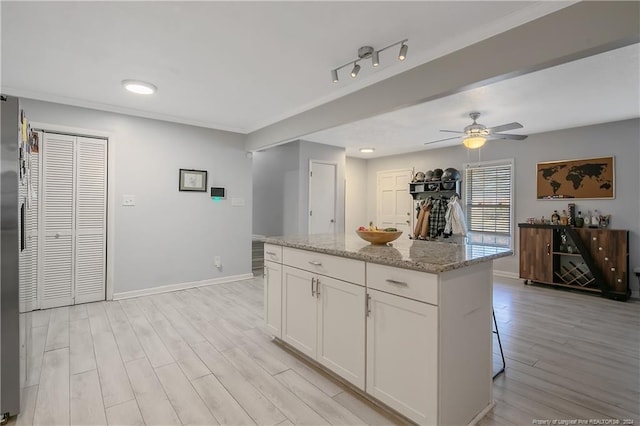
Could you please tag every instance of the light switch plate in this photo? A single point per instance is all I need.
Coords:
(128, 200)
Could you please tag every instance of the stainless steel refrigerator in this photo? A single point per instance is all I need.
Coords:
(9, 250)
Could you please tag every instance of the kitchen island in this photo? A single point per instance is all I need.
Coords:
(409, 324)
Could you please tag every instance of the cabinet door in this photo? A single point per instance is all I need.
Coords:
(341, 329)
(273, 298)
(536, 258)
(402, 348)
(609, 250)
(299, 310)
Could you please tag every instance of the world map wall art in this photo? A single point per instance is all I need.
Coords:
(588, 178)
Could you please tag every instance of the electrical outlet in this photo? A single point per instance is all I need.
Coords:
(217, 261)
(128, 200)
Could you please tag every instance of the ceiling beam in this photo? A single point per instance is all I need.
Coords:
(581, 30)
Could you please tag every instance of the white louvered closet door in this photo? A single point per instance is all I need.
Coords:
(91, 219)
(73, 220)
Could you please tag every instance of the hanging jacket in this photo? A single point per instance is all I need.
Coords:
(455, 220)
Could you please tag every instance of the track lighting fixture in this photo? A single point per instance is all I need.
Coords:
(403, 52)
(366, 52)
(355, 70)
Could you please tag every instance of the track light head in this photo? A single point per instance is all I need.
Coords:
(334, 76)
(403, 52)
(375, 58)
(355, 70)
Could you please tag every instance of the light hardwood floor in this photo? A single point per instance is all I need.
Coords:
(199, 356)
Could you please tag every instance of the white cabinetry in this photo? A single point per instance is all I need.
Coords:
(273, 289)
(402, 355)
(324, 317)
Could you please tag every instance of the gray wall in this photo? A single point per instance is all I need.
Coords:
(281, 187)
(356, 194)
(276, 176)
(169, 237)
(619, 139)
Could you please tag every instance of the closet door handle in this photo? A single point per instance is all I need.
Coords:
(57, 235)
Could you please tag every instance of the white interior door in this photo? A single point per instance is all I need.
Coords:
(395, 204)
(322, 197)
(73, 220)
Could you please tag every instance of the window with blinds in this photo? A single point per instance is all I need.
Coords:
(488, 201)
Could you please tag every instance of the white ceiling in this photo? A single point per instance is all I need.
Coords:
(240, 65)
(593, 90)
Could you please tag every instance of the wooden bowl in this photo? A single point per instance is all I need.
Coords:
(379, 237)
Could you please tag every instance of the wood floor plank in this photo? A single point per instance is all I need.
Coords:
(318, 379)
(255, 404)
(263, 358)
(185, 400)
(98, 318)
(58, 332)
(52, 405)
(86, 399)
(125, 414)
(322, 404)
(220, 402)
(81, 346)
(113, 377)
(27, 406)
(364, 410)
(181, 352)
(152, 400)
(289, 404)
(153, 347)
(40, 318)
(127, 341)
(78, 312)
(35, 353)
(178, 321)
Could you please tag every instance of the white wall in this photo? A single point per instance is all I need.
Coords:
(330, 154)
(356, 194)
(619, 139)
(169, 237)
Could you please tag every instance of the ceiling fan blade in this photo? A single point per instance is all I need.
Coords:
(505, 127)
(507, 136)
(452, 131)
(442, 140)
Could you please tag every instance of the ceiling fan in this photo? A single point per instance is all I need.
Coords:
(476, 134)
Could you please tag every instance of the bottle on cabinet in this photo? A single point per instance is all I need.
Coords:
(564, 218)
(555, 218)
(579, 220)
(595, 219)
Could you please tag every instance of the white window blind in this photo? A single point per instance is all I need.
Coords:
(489, 200)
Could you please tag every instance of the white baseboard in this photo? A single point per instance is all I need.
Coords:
(506, 274)
(179, 286)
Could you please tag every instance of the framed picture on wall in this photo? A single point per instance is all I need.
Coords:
(193, 180)
(587, 178)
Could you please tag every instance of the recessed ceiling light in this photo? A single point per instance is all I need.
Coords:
(367, 150)
(139, 87)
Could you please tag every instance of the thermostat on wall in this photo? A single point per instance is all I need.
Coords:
(217, 193)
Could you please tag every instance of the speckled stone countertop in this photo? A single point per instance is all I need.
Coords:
(426, 256)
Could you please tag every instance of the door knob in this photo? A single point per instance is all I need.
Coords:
(332, 220)
(57, 235)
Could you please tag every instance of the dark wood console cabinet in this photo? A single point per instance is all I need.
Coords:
(594, 260)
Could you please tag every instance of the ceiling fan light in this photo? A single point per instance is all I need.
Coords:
(334, 75)
(375, 58)
(473, 142)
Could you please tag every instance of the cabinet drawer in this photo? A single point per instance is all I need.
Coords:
(416, 285)
(273, 253)
(350, 270)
